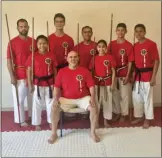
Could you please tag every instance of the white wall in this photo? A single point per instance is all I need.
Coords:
(96, 14)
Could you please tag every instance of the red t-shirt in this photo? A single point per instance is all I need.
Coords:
(86, 53)
(122, 53)
(149, 48)
(21, 49)
(71, 87)
(60, 46)
(103, 66)
(41, 68)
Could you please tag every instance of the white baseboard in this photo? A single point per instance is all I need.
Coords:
(11, 108)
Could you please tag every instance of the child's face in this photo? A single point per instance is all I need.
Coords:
(139, 33)
(42, 45)
(120, 32)
(102, 49)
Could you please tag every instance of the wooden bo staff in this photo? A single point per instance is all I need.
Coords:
(13, 68)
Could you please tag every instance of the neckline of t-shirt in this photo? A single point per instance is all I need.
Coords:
(121, 43)
(144, 41)
(59, 36)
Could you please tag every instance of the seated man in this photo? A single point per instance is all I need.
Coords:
(76, 86)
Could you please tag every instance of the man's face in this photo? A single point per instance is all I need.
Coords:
(120, 32)
(139, 33)
(59, 23)
(87, 34)
(73, 59)
(23, 28)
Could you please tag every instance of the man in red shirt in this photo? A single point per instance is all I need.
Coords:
(60, 43)
(122, 51)
(86, 48)
(44, 73)
(146, 67)
(21, 49)
(76, 87)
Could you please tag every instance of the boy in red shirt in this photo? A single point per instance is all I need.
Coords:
(60, 43)
(44, 73)
(21, 48)
(104, 76)
(86, 48)
(146, 67)
(76, 87)
(122, 51)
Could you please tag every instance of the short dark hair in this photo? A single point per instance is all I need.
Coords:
(123, 25)
(21, 20)
(86, 27)
(59, 15)
(102, 41)
(42, 37)
(140, 25)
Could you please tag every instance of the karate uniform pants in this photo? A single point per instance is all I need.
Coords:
(122, 98)
(107, 105)
(38, 104)
(23, 93)
(143, 102)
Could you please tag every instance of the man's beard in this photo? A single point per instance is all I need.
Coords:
(24, 33)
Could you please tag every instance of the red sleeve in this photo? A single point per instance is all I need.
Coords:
(35, 46)
(108, 48)
(58, 83)
(90, 64)
(29, 61)
(130, 54)
(71, 44)
(55, 64)
(89, 80)
(8, 52)
(154, 52)
(75, 48)
(113, 63)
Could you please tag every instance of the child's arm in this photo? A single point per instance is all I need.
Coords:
(29, 79)
(155, 69)
(113, 78)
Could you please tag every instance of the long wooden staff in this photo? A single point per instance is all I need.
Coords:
(47, 33)
(111, 26)
(13, 67)
(32, 71)
(78, 37)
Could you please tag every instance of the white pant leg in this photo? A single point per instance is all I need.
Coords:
(29, 103)
(116, 101)
(22, 93)
(38, 105)
(49, 102)
(126, 94)
(148, 100)
(138, 101)
(107, 105)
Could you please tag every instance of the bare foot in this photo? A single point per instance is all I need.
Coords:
(137, 121)
(52, 139)
(38, 128)
(95, 138)
(146, 124)
(24, 124)
(122, 119)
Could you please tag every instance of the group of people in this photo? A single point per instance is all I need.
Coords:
(88, 75)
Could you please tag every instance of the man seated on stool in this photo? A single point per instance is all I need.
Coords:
(76, 86)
